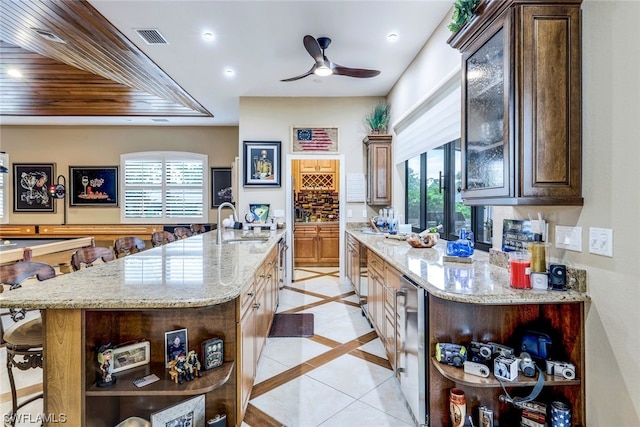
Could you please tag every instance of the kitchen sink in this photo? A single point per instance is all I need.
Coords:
(252, 241)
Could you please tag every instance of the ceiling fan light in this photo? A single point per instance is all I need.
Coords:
(323, 71)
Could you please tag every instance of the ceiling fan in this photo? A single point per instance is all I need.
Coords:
(324, 67)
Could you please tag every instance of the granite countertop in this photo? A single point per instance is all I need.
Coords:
(193, 272)
(478, 282)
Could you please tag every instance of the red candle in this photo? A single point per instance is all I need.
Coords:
(520, 273)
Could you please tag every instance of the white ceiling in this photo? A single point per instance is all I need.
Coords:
(262, 42)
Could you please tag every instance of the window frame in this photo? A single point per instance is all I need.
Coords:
(163, 157)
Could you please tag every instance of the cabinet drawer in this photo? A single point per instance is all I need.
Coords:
(247, 297)
(376, 264)
(306, 230)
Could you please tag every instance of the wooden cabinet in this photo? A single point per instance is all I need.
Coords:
(379, 166)
(391, 287)
(452, 321)
(352, 262)
(521, 104)
(375, 303)
(321, 174)
(317, 245)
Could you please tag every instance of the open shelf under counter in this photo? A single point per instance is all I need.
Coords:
(458, 376)
(124, 386)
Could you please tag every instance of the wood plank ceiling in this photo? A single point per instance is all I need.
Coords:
(96, 72)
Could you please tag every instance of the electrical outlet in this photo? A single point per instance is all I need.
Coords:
(364, 213)
(601, 241)
(349, 213)
(569, 238)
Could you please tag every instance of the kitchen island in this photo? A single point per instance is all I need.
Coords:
(226, 291)
(467, 302)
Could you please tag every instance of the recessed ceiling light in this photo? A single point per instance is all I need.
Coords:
(14, 72)
(229, 72)
(392, 37)
(208, 36)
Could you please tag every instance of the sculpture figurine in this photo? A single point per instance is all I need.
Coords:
(194, 365)
(105, 377)
(182, 368)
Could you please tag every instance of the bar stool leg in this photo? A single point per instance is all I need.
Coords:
(31, 359)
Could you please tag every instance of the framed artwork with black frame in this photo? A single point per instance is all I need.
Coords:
(220, 186)
(261, 160)
(31, 183)
(94, 186)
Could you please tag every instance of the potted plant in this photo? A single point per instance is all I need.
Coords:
(378, 118)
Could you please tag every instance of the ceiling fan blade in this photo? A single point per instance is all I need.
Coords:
(354, 72)
(312, 46)
(290, 79)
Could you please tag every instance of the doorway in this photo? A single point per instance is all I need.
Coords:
(314, 203)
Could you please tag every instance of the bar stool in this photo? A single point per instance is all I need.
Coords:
(159, 238)
(25, 337)
(198, 229)
(127, 245)
(88, 255)
(182, 232)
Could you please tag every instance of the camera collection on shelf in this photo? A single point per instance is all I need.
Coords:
(483, 358)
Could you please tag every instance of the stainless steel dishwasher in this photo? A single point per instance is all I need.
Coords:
(412, 308)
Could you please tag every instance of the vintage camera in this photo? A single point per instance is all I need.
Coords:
(527, 365)
(506, 367)
(451, 354)
(477, 369)
(484, 352)
(537, 344)
(565, 369)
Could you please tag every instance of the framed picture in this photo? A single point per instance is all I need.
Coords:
(175, 343)
(95, 186)
(212, 353)
(187, 413)
(131, 356)
(220, 186)
(310, 139)
(31, 183)
(260, 212)
(261, 163)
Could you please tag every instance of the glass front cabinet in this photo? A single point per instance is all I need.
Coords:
(521, 104)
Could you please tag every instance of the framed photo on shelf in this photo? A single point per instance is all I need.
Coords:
(131, 356)
(187, 413)
(220, 186)
(261, 160)
(212, 353)
(95, 186)
(313, 139)
(175, 343)
(31, 183)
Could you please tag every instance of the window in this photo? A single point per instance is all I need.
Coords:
(163, 187)
(433, 199)
(4, 189)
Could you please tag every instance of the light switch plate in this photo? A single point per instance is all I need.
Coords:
(569, 238)
(601, 241)
(349, 213)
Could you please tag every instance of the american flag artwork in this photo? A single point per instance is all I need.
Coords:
(315, 139)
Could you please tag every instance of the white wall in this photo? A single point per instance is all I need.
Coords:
(611, 188)
(272, 119)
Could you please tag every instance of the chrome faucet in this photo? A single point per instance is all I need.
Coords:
(219, 227)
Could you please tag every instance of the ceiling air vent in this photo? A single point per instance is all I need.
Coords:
(160, 120)
(152, 36)
(48, 35)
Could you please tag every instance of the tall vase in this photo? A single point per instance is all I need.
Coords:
(457, 407)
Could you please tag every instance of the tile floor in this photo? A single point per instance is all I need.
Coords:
(339, 377)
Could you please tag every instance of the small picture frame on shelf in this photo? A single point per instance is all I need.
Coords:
(131, 355)
(187, 413)
(212, 353)
(175, 343)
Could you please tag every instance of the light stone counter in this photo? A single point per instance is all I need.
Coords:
(194, 272)
(477, 283)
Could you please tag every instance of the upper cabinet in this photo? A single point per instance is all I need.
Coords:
(521, 103)
(320, 174)
(378, 169)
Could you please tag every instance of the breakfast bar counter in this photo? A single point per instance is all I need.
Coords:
(226, 291)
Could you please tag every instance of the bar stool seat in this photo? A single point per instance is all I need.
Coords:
(26, 333)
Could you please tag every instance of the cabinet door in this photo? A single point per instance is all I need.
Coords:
(328, 245)
(305, 245)
(326, 165)
(308, 166)
(485, 139)
(247, 357)
(378, 169)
